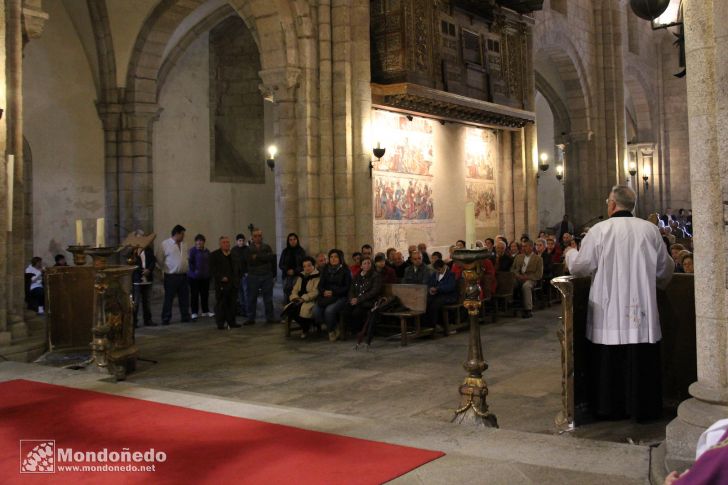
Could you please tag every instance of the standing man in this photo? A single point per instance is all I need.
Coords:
(225, 272)
(628, 260)
(174, 263)
(261, 263)
(563, 227)
(239, 252)
(144, 262)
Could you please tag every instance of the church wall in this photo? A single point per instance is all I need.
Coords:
(64, 134)
(445, 153)
(183, 193)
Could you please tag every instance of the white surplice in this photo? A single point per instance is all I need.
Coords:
(627, 260)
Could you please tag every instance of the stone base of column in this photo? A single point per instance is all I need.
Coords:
(5, 338)
(19, 330)
(681, 435)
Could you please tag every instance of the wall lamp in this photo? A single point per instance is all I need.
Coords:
(646, 176)
(544, 164)
(632, 169)
(378, 153)
(271, 162)
(559, 172)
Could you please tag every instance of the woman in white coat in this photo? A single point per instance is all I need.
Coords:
(627, 261)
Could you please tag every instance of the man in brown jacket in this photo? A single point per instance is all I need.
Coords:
(528, 268)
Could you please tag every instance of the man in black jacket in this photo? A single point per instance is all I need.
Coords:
(261, 263)
(225, 272)
(239, 253)
(145, 261)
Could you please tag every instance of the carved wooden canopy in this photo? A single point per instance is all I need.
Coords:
(432, 103)
(485, 7)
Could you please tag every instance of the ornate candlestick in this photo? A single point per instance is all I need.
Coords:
(79, 254)
(473, 408)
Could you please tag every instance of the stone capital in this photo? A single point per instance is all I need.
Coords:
(34, 19)
(279, 83)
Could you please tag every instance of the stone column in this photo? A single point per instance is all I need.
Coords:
(707, 80)
(505, 183)
(5, 335)
(14, 112)
(520, 171)
(361, 122)
(326, 129)
(532, 171)
(281, 85)
(342, 118)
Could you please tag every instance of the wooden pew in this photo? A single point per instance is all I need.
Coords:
(413, 297)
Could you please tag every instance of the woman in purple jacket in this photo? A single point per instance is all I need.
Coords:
(199, 277)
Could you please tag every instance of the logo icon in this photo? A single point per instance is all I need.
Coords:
(37, 456)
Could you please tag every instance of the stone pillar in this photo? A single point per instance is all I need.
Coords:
(707, 81)
(326, 129)
(505, 183)
(14, 113)
(281, 85)
(361, 122)
(5, 335)
(532, 172)
(343, 139)
(519, 186)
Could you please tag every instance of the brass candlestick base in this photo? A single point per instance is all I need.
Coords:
(79, 254)
(100, 255)
(473, 408)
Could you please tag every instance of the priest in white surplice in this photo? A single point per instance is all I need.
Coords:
(627, 260)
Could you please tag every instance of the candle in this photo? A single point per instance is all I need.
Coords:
(11, 180)
(79, 232)
(469, 225)
(100, 240)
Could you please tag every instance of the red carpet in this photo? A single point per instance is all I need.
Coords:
(199, 447)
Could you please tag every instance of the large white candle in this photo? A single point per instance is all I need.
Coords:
(100, 239)
(11, 183)
(469, 225)
(79, 232)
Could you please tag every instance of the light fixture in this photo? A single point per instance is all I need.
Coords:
(544, 165)
(632, 168)
(559, 172)
(663, 14)
(378, 153)
(646, 175)
(271, 162)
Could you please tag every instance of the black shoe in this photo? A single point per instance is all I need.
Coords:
(234, 325)
(165, 322)
(249, 322)
(527, 314)
(150, 324)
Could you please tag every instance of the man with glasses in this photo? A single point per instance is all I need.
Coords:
(627, 260)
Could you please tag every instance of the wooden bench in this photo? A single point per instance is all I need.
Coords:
(454, 306)
(505, 283)
(413, 297)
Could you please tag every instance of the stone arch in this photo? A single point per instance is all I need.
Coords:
(562, 122)
(573, 102)
(641, 92)
(189, 37)
(560, 50)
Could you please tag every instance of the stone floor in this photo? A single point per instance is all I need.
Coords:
(403, 395)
